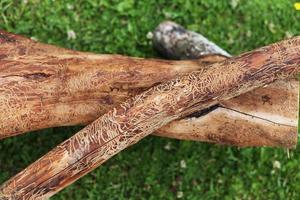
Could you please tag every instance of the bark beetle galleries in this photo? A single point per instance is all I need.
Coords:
(138, 117)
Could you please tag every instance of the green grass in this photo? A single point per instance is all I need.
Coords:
(149, 170)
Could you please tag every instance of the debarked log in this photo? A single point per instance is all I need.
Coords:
(44, 86)
(143, 114)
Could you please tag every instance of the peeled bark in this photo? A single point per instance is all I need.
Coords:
(138, 117)
(263, 117)
(43, 86)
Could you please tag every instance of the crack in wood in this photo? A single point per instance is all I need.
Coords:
(33, 76)
(208, 110)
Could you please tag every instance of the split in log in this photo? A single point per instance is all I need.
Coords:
(140, 116)
(43, 86)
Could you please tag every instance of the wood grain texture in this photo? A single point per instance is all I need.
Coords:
(44, 86)
(141, 115)
(263, 117)
(254, 116)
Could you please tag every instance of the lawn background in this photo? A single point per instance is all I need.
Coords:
(159, 168)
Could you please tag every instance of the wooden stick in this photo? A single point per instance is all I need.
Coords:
(263, 117)
(43, 86)
(145, 113)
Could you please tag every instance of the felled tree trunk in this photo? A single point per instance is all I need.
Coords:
(43, 86)
(263, 117)
(138, 117)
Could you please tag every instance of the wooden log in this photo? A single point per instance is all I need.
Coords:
(263, 117)
(143, 114)
(43, 86)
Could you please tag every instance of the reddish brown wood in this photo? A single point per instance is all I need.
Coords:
(43, 86)
(138, 117)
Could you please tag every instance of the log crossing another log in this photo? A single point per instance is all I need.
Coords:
(263, 117)
(44, 86)
(128, 123)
